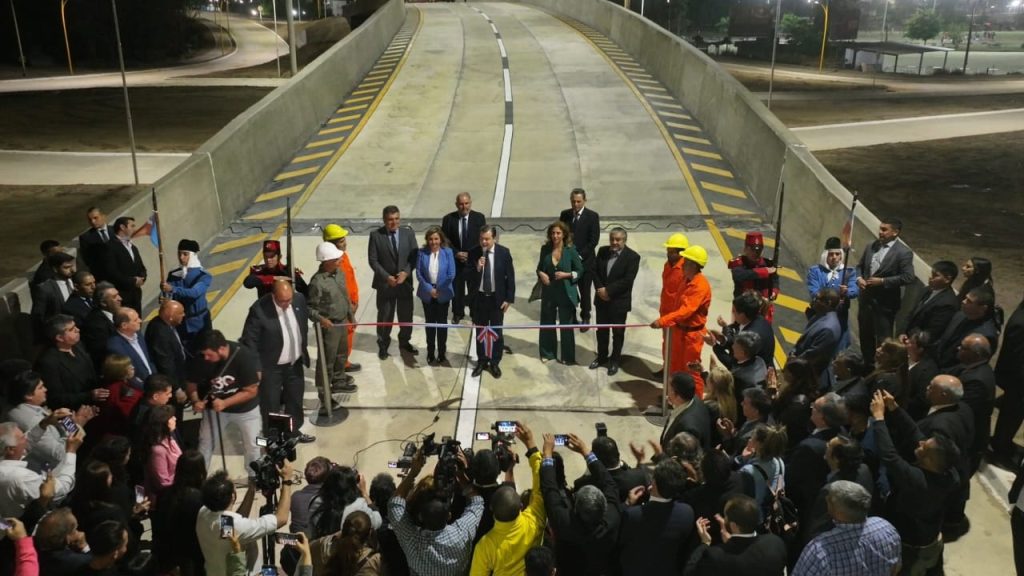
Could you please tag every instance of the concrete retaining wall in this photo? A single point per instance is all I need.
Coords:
(750, 137)
(205, 193)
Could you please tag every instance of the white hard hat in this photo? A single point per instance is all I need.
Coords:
(327, 251)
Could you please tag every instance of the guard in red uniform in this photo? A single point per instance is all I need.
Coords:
(689, 314)
(752, 272)
(261, 277)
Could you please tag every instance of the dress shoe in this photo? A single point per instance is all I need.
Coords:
(596, 364)
(431, 360)
(480, 366)
(567, 363)
(353, 367)
(383, 354)
(613, 368)
(584, 320)
(306, 438)
(495, 371)
(408, 347)
(335, 406)
(344, 387)
(442, 359)
(457, 318)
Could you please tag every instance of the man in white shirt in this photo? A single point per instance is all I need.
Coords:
(18, 485)
(45, 440)
(218, 494)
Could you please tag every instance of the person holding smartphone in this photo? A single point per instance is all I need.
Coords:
(218, 494)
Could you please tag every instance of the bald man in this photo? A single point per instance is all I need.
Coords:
(277, 329)
(166, 349)
(979, 382)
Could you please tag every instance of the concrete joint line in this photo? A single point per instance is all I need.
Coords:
(501, 181)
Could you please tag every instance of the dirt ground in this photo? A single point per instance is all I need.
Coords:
(836, 110)
(957, 198)
(166, 119)
(27, 224)
(758, 82)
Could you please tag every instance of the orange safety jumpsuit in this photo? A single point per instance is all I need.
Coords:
(684, 308)
(353, 297)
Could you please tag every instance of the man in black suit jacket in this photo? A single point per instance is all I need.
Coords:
(282, 352)
(67, 369)
(462, 228)
(979, 382)
(49, 297)
(743, 550)
(493, 289)
(392, 257)
(79, 304)
(689, 414)
(657, 537)
(626, 478)
(123, 264)
(939, 303)
(921, 369)
(614, 272)
(166, 351)
(99, 324)
(586, 233)
(806, 468)
(93, 243)
(886, 266)
(746, 317)
(975, 317)
(44, 271)
(1010, 377)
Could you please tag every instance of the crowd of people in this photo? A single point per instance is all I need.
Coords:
(845, 459)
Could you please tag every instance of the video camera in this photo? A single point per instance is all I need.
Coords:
(501, 441)
(279, 445)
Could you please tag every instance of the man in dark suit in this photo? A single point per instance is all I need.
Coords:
(615, 270)
(49, 297)
(166, 350)
(123, 264)
(743, 550)
(938, 304)
(44, 271)
(79, 304)
(93, 243)
(66, 368)
(462, 228)
(746, 317)
(656, 538)
(392, 257)
(626, 478)
(493, 289)
(1010, 377)
(979, 382)
(127, 342)
(975, 317)
(821, 337)
(281, 351)
(921, 369)
(586, 233)
(806, 468)
(689, 414)
(886, 266)
(99, 324)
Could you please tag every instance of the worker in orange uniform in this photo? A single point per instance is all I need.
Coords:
(685, 300)
(337, 236)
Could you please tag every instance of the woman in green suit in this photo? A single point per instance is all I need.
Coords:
(558, 270)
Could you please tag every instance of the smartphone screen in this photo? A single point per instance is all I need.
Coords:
(4, 525)
(268, 571)
(140, 494)
(69, 425)
(561, 439)
(483, 436)
(285, 538)
(506, 426)
(46, 468)
(392, 463)
(261, 442)
(227, 526)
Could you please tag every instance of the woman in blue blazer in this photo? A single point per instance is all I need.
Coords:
(189, 285)
(558, 270)
(435, 270)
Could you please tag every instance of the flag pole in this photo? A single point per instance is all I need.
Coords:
(291, 260)
(159, 236)
(848, 241)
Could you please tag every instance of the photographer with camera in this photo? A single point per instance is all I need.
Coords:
(215, 523)
(431, 545)
(502, 550)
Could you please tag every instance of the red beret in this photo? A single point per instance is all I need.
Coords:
(754, 239)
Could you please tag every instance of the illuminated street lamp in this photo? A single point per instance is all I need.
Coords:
(824, 33)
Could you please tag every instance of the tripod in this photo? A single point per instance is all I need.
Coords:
(270, 540)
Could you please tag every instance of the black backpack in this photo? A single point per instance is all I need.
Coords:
(780, 514)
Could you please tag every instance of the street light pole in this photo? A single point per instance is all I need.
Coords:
(124, 85)
(885, 14)
(824, 37)
(775, 44)
(970, 32)
(64, 26)
(17, 35)
(291, 39)
(277, 46)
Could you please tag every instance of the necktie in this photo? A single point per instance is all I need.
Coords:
(462, 231)
(611, 262)
(290, 341)
(488, 284)
(575, 218)
(394, 243)
(103, 234)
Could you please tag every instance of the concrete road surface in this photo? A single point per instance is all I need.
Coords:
(833, 136)
(69, 168)
(255, 44)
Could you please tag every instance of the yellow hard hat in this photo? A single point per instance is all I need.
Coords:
(677, 240)
(697, 255)
(333, 232)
